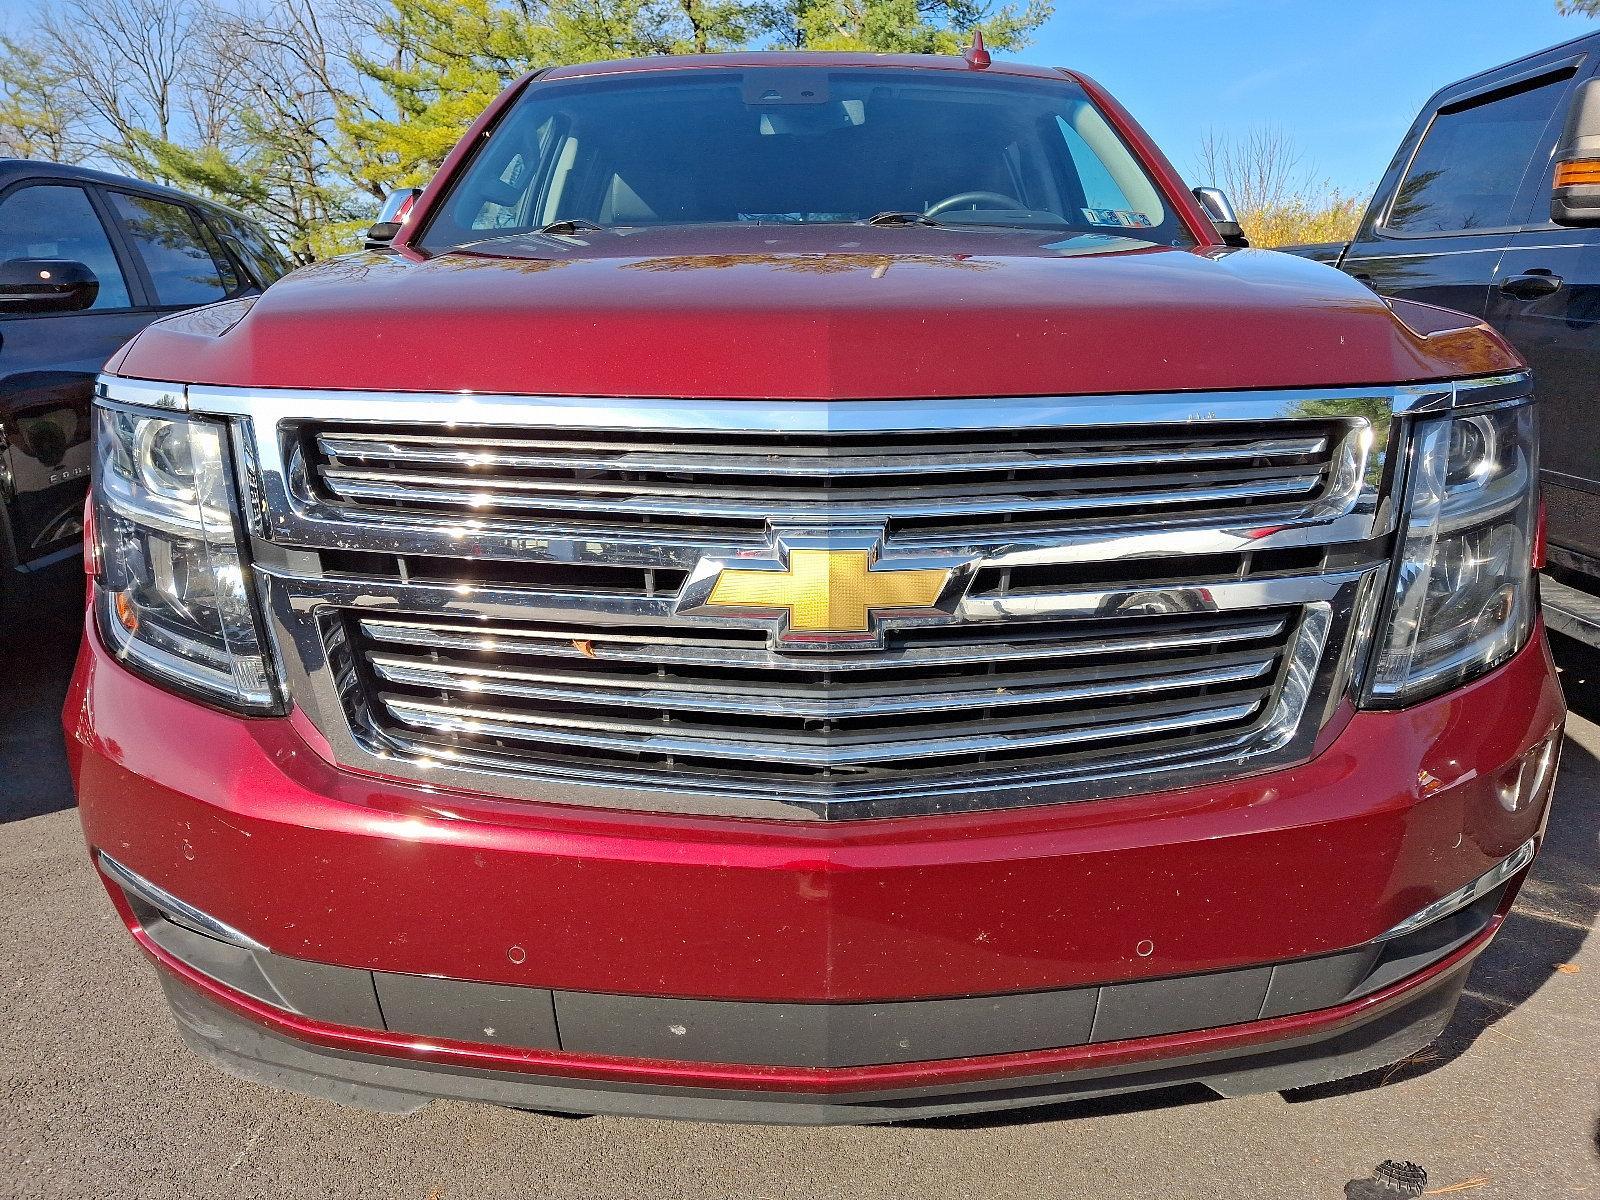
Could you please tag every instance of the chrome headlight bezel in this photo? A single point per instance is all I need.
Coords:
(173, 597)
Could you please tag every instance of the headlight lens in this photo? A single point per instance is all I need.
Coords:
(1463, 597)
(171, 593)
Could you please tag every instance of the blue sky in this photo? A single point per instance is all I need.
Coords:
(1344, 79)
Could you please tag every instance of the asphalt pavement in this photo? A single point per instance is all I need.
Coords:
(98, 1099)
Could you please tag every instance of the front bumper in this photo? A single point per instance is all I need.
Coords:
(772, 971)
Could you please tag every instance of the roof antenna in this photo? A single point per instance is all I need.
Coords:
(977, 57)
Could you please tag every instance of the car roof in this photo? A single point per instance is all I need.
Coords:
(12, 169)
(835, 60)
(1581, 41)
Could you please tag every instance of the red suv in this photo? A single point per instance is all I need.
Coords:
(812, 588)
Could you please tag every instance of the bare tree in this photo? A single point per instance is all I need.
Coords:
(1260, 170)
(239, 100)
(126, 61)
(1280, 201)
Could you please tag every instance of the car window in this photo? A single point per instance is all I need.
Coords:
(1469, 168)
(782, 145)
(182, 269)
(1100, 190)
(253, 245)
(227, 268)
(51, 220)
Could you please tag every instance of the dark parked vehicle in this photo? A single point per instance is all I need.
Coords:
(1492, 206)
(87, 260)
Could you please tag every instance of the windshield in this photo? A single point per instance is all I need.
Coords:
(783, 145)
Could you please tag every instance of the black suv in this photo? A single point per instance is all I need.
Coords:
(1492, 206)
(87, 260)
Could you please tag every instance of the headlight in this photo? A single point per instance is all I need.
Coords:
(171, 594)
(1463, 596)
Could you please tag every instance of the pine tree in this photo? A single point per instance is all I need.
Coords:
(915, 26)
(448, 58)
(38, 114)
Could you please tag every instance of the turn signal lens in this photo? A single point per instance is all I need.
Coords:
(127, 611)
(1577, 174)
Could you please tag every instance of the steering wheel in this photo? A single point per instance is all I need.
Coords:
(976, 200)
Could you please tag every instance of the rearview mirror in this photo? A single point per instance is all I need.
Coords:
(1575, 194)
(46, 285)
(1220, 209)
(392, 217)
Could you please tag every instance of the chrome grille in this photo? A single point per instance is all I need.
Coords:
(721, 485)
(1129, 624)
(973, 698)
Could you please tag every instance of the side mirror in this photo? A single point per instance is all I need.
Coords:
(1575, 194)
(392, 217)
(46, 285)
(1220, 209)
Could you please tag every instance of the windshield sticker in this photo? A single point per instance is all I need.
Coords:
(798, 218)
(1121, 218)
(1095, 243)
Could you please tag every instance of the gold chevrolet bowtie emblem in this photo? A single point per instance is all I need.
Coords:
(814, 596)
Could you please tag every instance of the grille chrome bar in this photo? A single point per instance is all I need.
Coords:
(679, 651)
(819, 703)
(857, 750)
(491, 453)
(598, 610)
(595, 500)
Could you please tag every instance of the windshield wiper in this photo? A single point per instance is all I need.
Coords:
(901, 218)
(572, 225)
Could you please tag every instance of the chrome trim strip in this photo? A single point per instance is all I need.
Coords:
(1462, 393)
(480, 600)
(1463, 897)
(171, 397)
(165, 901)
(1228, 596)
(932, 415)
(527, 604)
(669, 651)
(642, 414)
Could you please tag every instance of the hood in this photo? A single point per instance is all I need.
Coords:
(816, 312)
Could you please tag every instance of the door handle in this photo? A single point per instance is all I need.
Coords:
(1534, 285)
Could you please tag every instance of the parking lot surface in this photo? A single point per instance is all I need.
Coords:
(99, 1099)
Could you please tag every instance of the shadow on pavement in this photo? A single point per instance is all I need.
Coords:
(38, 642)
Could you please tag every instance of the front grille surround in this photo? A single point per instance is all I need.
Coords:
(1309, 658)
(331, 572)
